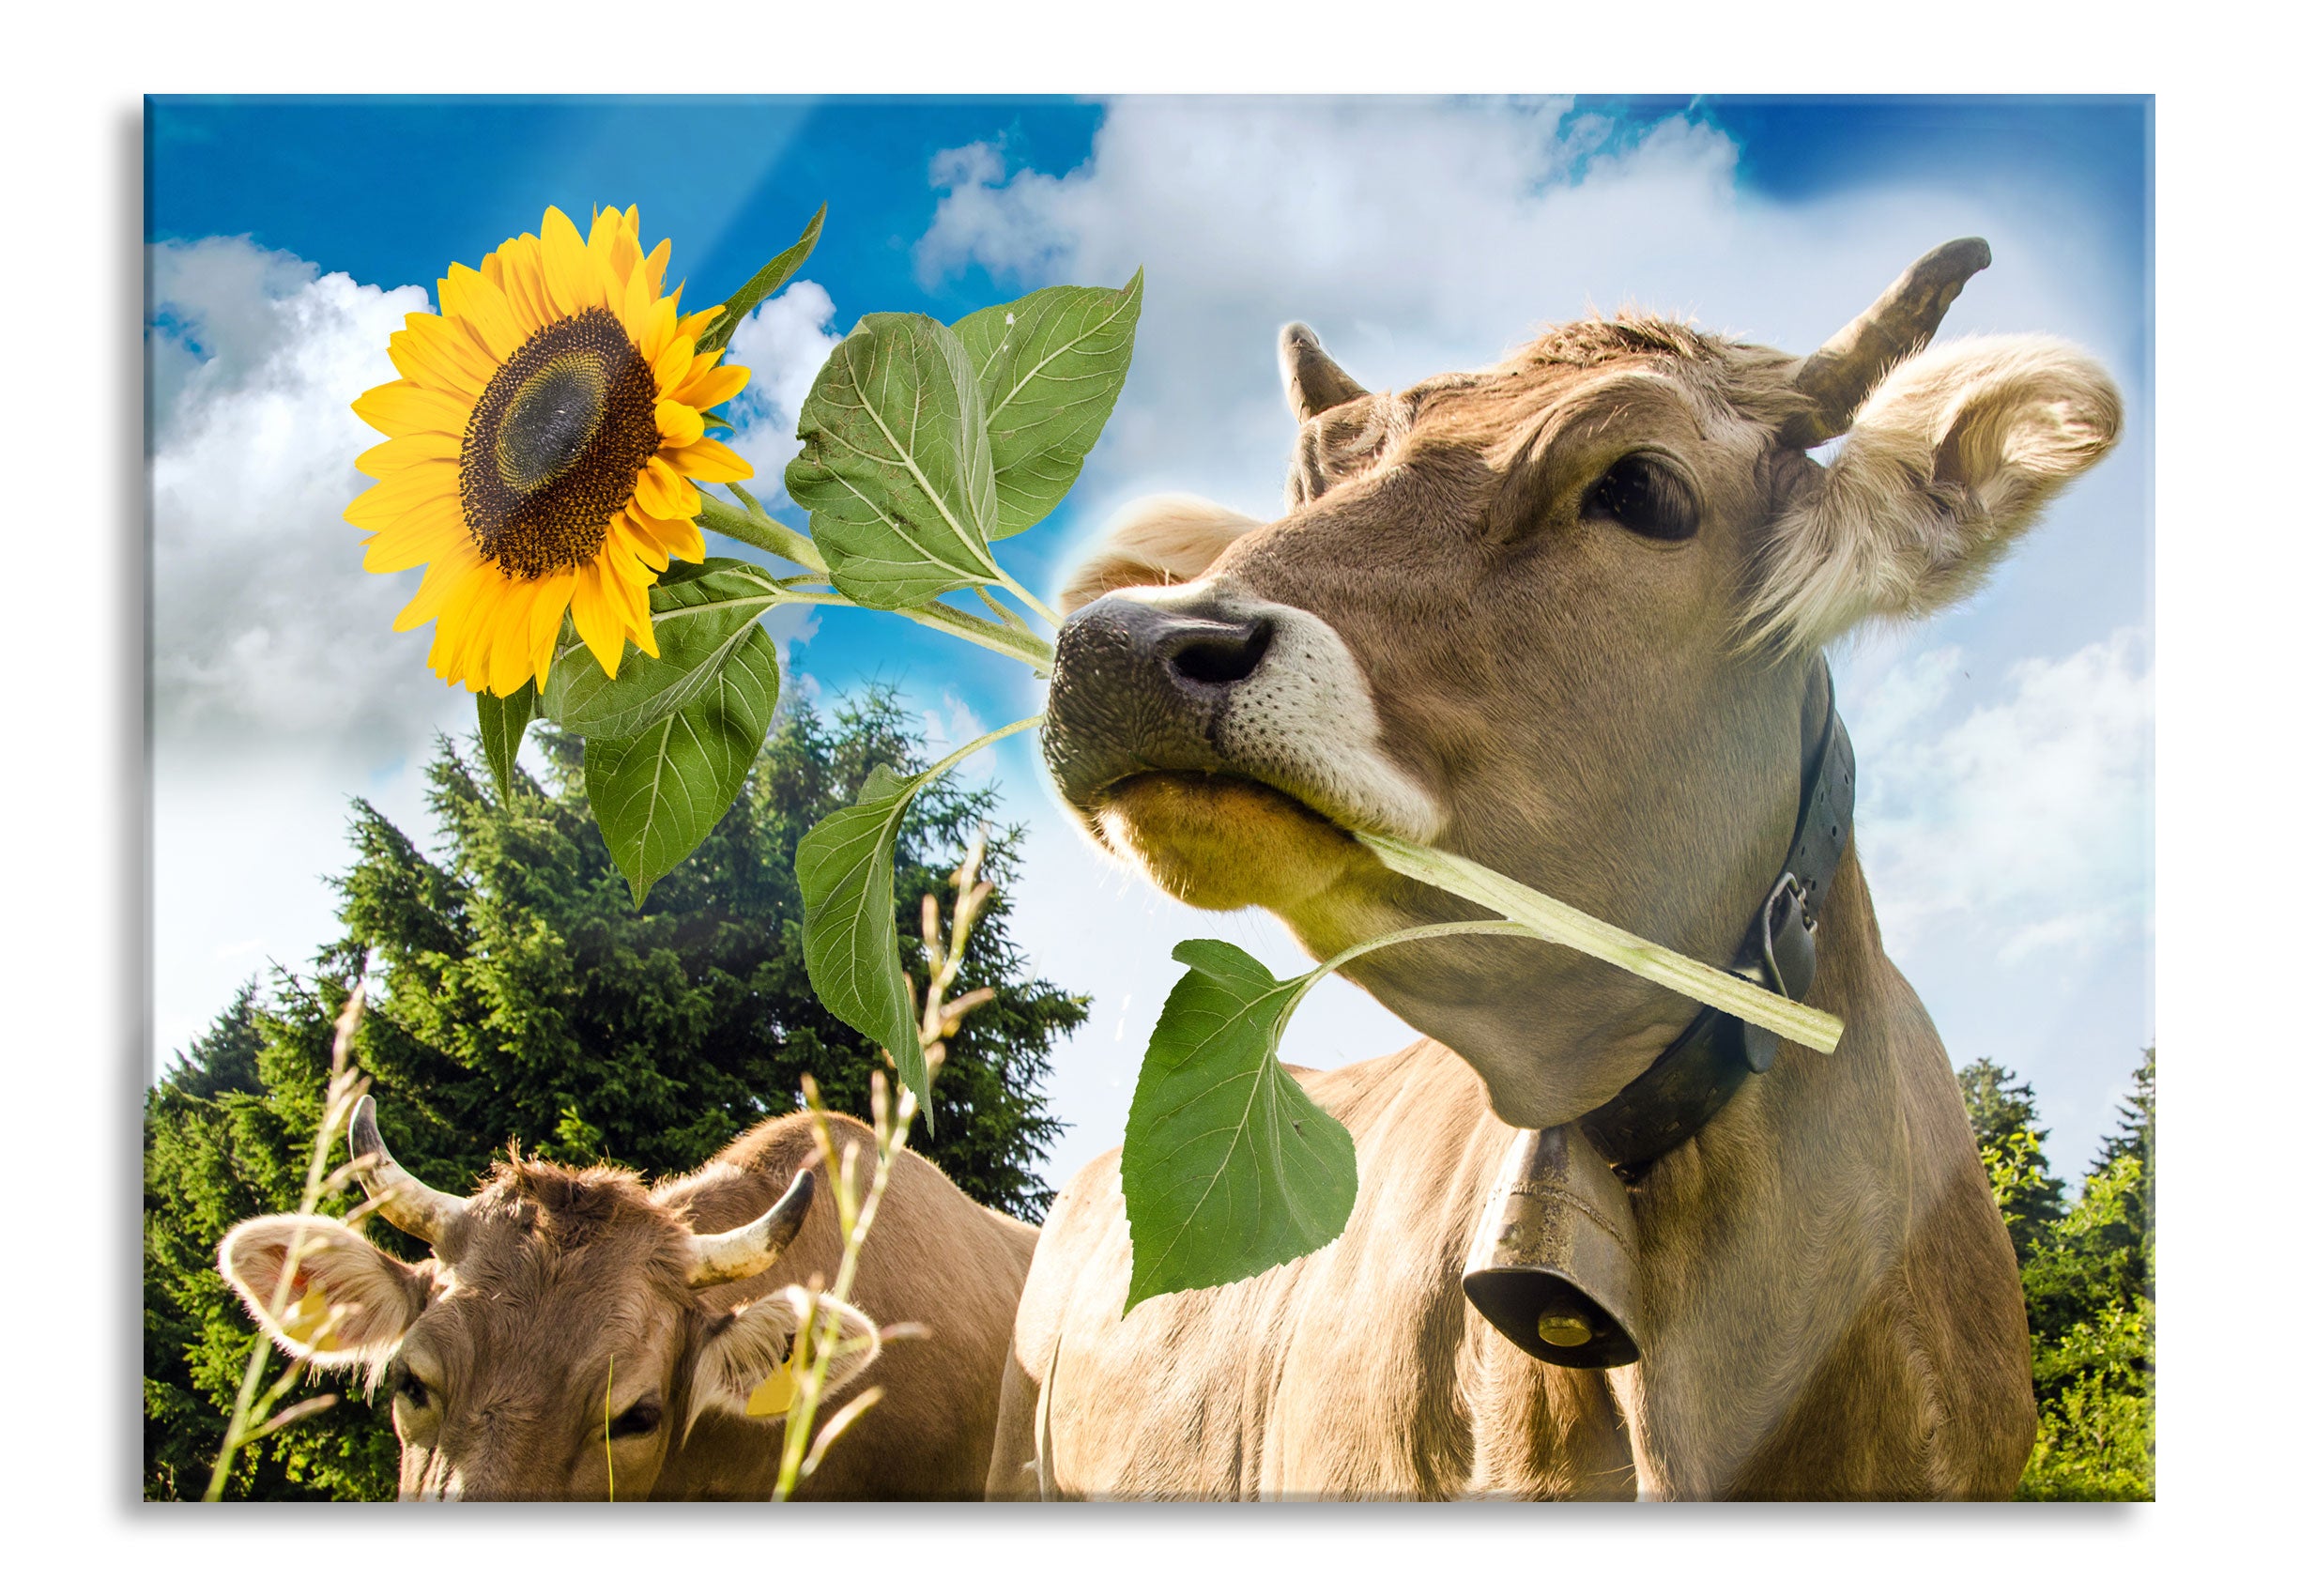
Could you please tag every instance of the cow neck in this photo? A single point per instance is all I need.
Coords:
(1696, 1075)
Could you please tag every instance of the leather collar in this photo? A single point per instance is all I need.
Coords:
(1696, 1075)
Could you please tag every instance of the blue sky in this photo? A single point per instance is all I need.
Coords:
(2007, 808)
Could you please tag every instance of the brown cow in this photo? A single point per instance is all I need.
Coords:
(498, 1347)
(1564, 616)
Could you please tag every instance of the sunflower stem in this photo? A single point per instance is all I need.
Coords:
(1019, 591)
(1028, 646)
(759, 529)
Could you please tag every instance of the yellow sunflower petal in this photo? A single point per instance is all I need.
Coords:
(658, 262)
(452, 345)
(680, 424)
(461, 653)
(623, 254)
(693, 326)
(408, 450)
(712, 389)
(440, 580)
(484, 309)
(406, 490)
(637, 305)
(523, 282)
(680, 538)
(417, 540)
(662, 324)
(551, 596)
(706, 460)
(401, 408)
(666, 495)
(606, 228)
(671, 365)
(509, 659)
(628, 581)
(420, 362)
(634, 530)
(596, 623)
(566, 264)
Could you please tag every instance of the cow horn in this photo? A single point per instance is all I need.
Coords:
(1314, 383)
(738, 1254)
(1838, 375)
(398, 1196)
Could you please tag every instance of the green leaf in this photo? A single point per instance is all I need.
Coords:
(657, 793)
(846, 869)
(1051, 366)
(704, 615)
(894, 466)
(771, 277)
(1229, 1169)
(502, 722)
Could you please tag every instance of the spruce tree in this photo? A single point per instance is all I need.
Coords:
(515, 995)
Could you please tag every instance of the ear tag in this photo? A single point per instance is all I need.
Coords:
(305, 1322)
(773, 1396)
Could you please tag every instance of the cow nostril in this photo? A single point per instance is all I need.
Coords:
(1218, 656)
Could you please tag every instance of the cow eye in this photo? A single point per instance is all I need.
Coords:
(407, 1388)
(1647, 497)
(639, 1419)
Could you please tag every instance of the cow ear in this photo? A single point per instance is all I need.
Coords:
(749, 1350)
(350, 1302)
(1946, 462)
(1153, 542)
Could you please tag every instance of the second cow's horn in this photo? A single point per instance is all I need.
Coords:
(399, 1197)
(738, 1254)
(1837, 377)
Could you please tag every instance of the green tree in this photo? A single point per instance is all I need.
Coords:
(2088, 1274)
(515, 995)
(2002, 1108)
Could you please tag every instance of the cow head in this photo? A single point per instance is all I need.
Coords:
(1563, 616)
(562, 1317)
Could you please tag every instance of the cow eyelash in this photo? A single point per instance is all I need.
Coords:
(639, 1419)
(1647, 497)
(406, 1385)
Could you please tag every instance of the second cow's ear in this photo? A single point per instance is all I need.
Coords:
(349, 1303)
(1947, 462)
(1154, 543)
(749, 1349)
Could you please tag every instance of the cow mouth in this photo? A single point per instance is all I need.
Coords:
(1212, 788)
(1221, 839)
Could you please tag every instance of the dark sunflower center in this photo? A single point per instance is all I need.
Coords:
(555, 444)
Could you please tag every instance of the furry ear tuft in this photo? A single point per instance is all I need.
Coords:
(1152, 543)
(752, 1347)
(1947, 462)
(349, 1303)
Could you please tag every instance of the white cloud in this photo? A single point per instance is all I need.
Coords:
(784, 343)
(280, 689)
(264, 624)
(2023, 822)
(1425, 236)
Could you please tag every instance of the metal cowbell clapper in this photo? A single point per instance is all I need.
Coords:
(1553, 1263)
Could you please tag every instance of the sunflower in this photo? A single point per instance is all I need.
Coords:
(546, 437)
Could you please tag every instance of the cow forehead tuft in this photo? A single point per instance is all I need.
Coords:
(573, 1208)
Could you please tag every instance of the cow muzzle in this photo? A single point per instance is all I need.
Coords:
(1141, 687)
(1210, 681)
